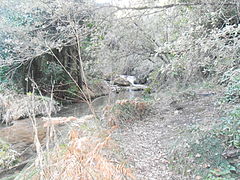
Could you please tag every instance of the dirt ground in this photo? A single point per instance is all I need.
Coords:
(146, 144)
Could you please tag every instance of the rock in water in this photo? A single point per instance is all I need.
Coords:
(140, 80)
(121, 82)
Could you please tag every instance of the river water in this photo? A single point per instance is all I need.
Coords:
(82, 109)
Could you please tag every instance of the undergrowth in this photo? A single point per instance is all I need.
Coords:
(84, 158)
(230, 128)
(213, 154)
(232, 80)
(8, 156)
(201, 157)
(125, 111)
(15, 106)
(210, 154)
(84, 155)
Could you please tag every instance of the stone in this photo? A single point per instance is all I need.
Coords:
(121, 82)
(140, 80)
(97, 88)
(109, 77)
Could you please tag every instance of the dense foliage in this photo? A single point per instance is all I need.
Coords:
(40, 36)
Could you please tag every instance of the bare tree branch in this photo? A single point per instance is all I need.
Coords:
(173, 5)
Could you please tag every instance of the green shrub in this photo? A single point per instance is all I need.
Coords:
(8, 157)
(230, 129)
(147, 91)
(207, 153)
(232, 93)
(3, 74)
(54, 72)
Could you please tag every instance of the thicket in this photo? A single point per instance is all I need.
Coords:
(181, 44)
(126, 111)
(47, 43)
(187, 42)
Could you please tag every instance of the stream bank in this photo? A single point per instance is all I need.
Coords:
(20, 135)
(149, 146)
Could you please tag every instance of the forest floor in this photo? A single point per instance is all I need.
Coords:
(147, 144)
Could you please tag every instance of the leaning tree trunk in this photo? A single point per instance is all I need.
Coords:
(70, 60)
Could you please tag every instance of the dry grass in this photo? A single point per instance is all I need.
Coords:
(84, 157)
(14, 106)
(125, 111)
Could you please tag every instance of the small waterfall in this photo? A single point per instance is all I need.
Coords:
(131, 79)
(134, 87)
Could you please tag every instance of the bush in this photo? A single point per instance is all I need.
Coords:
(8, 157)
(210, 154)
(3, 73)
(230, 129)
(83, 157)
(15, 106)
(232, 93)
(125, 111)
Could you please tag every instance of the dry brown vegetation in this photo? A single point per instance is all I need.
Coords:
(84, 159)
(15, 106)
(85, 156)
(125, 111)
